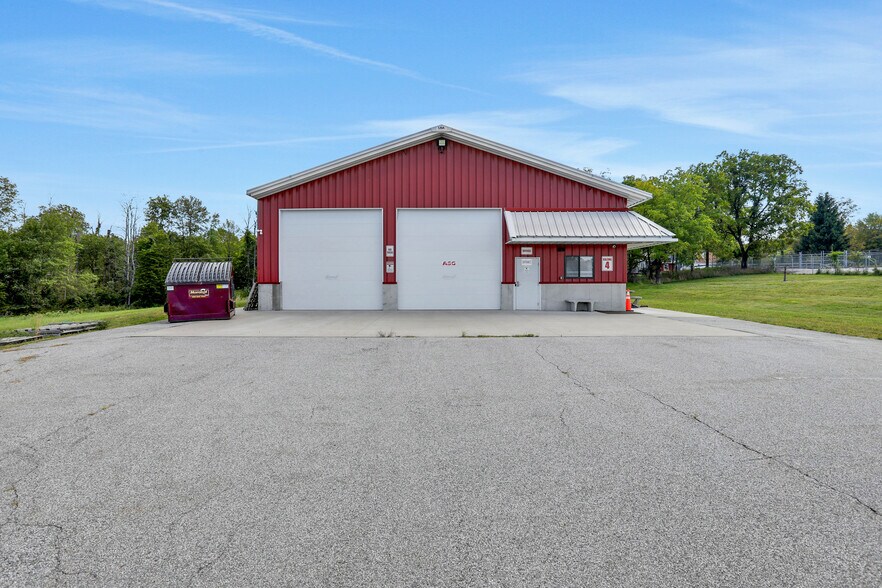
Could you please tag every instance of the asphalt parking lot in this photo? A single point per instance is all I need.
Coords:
(752, 457)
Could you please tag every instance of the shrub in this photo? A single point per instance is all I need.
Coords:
(701, 273)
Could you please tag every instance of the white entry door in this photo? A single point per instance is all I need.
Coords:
(526, 283)
(331, 259)
(449, 258)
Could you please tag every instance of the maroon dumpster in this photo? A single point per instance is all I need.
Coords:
(200, 290)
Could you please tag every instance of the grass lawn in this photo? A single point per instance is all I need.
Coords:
(112, 318)
(845, 304)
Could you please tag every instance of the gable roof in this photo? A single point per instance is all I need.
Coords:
(632, 195)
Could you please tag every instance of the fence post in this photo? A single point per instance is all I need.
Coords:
(845, 261)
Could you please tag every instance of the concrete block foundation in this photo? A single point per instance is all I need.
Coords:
(610, 297)
(390, 296)
(269, 297)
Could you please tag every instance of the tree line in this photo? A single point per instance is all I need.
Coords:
(56, 260)
(745, 205)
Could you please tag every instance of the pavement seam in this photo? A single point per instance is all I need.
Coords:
(760, 453)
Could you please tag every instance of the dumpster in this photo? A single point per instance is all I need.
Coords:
(199, 290)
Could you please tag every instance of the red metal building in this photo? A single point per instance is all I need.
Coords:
(445, 219)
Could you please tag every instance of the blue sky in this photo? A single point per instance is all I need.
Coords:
(101, 100)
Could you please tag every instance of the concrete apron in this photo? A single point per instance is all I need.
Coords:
(446, 323)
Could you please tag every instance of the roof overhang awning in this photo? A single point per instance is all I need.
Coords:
(585, 227)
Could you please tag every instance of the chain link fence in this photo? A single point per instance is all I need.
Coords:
(845, 260)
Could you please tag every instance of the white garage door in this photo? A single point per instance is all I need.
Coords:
(331, 259)
(449, 258)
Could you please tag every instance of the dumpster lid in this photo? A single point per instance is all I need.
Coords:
(195, 271)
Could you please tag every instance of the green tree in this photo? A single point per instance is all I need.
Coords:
(827, 232)
(160, 210)
(191, 217)
(757, 200)
(154, 252)
(866, 234)
(9, 203)
(6, 269)
(185, 220)
(192, 222)
(245, 261)
(104, 256)
(9, 206)
(678, 204)
(44, 255)
(224, 240)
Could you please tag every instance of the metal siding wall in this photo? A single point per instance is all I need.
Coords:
(552, 263)
(420, 177)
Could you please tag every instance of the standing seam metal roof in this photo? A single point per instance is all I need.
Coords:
(585, 227)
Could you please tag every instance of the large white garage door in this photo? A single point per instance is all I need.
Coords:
(331, 259)
(449, 258)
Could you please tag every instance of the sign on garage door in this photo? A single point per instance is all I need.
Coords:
(449, 258)
(331, 259)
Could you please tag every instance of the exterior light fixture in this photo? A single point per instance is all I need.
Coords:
(442, 145)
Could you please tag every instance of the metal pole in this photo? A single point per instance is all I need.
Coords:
(785, 273)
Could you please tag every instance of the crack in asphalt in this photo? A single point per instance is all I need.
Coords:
(217, 557)
(57, 546)
(31, 453)
(576, 381)
(198, 506)
(59, 567)
(14, 502)
(46, 437)
(12, 486)
(223, 551)
(762, 455)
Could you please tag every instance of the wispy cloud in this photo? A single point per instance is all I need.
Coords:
(266, 15)
(258, 29)
(93, 58)
(531, 130)
(265, 143)
(534, 131)
(94, 107)
(762, 85)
